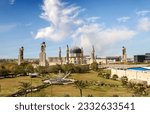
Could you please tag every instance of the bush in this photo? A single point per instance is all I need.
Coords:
(75, 68)
(140, 90)
(124, 80)
(67, 68)
(90, 95)
(115, 77)
(54, 69)
(66, 95)
(131, 85)
(94, 66)
(115, 95)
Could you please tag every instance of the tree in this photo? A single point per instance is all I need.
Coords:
(106, 75)
(115, 77)
(68, 68)
(124, 80)
(54, 69)
(42, 70)
(19, 70)
(29, 68)
(140, 90)
(25, 87)
(77, 69)
(3, 71)
(94, 66)
(80, 85)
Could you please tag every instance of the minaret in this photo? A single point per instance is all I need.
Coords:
(93, 55)
(20, 56)
(43, 55)
(60, 59)
(82, 56)
(67, 55)
(124, 55)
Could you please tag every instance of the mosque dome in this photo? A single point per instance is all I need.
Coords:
(75, 50)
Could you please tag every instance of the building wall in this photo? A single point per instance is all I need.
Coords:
(136, 75)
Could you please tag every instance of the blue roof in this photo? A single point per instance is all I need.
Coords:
(139, 69)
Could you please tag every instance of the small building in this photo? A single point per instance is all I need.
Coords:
(113, 59)
(147, 57)
(139, 58)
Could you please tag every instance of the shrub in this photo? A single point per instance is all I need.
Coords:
(115, 95)
(140, 90)
(115, 77)
(124, 80)
(94, 66)
(66, 95)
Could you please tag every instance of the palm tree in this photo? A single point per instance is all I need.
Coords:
(80, 85)
(24, 87)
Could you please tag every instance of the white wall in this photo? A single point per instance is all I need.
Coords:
(138, 75)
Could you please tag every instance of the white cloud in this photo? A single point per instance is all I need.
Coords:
(12, 2)
(100, 36)
(142, 12)
(62, 19)
(65, 22)
(144, 24)
(123, 19)
(93, 19)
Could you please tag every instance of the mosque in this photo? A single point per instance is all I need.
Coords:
(74, 55)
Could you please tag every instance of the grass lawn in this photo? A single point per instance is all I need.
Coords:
(11, 85)
(92, 76)
(62, 90)
(96, 91)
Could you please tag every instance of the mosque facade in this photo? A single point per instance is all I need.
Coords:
(74, 55)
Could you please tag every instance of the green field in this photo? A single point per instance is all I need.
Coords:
(11, 85)
(96, 91)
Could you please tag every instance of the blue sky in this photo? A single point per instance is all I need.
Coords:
(106, 24)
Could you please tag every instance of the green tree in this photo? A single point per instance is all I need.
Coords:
(68, 68)
(29, 69)
(94, 66)
(124, 80)
(19, 70)
(3, 71)
(54, 69)
(115, 77)
(80, 85)
(77, 69)
(25, 87)
(42, 70)
(140, 90)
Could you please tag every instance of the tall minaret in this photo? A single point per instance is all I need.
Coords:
(93, 55)
(60, 59)
(82, 56)
(20, 56)
(124, 54)
(67, 55)
(43, 55)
